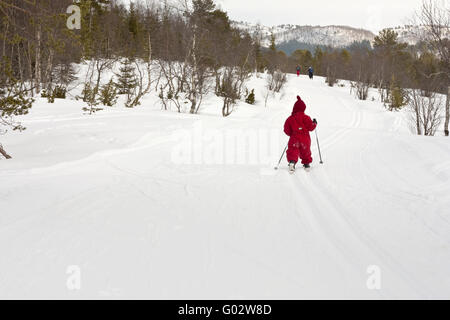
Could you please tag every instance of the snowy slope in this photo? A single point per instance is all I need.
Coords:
(119, 196)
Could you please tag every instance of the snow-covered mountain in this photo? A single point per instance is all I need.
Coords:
(335, 36)
(413, 34)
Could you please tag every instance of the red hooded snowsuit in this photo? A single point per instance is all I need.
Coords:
(298, 126)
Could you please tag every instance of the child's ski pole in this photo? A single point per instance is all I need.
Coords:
(276, 168)
(318, 146)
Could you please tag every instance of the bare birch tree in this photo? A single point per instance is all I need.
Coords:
(434, 16)
(425, 112)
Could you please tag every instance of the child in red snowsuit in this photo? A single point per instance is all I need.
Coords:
(298, 126)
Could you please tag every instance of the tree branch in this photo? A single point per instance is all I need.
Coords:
(3, 152)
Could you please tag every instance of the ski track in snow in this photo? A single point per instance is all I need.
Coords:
(101, 192)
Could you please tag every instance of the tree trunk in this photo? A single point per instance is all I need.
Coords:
(99, 65)
(149, 64)
(4, 39)
(19, 60)
(194, 104)
(30, 67)
(447, 113)
(225, 108)
(38, 61)
(3, 152)
(48, 71)
(416, 105)
(194, 73)
(419, 129)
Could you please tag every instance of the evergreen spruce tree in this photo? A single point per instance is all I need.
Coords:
(273, 46)
(64, 74)
(397, 96)
(14, 100)
(126, 79)
(90, 96)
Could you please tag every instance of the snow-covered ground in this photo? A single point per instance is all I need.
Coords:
(145, 203)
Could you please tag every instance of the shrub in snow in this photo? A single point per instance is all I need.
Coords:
(228, 89)
(362, 90)
(59, 92)
(251, 98)
(49, 96)
(108, 94)
(331, 80)
(397, 96)
(276, 80)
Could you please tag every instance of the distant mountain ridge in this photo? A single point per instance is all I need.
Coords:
(334, 36)
(413, 34)
(288, 37)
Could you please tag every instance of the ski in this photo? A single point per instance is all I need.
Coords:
(291, 168)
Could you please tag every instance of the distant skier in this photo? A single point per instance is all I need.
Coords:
(297, 127)
(311, 72)
(298, 71)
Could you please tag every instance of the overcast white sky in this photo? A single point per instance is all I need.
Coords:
(373, 15)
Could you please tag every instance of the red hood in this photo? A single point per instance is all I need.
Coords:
(299, 106)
